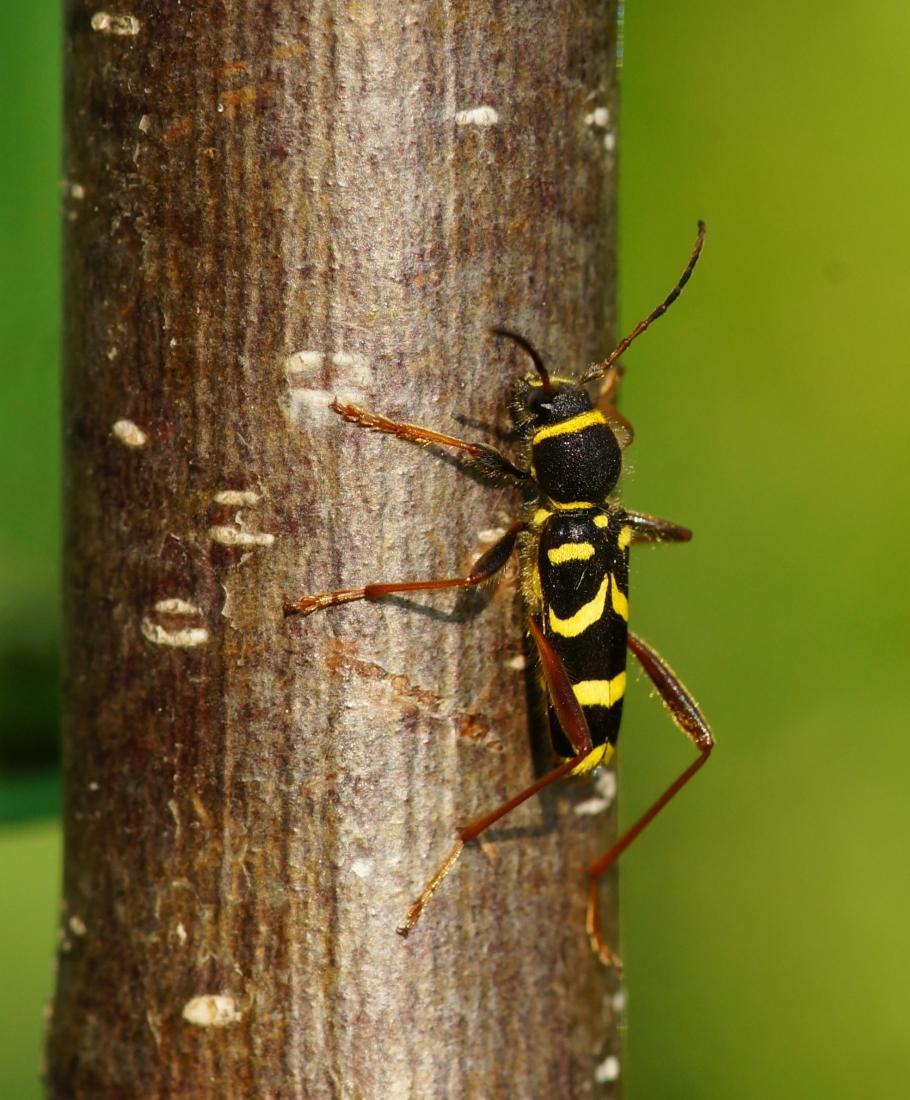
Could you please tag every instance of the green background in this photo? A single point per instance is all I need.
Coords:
(765, 915)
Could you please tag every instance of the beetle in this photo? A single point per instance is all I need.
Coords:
(574, 540)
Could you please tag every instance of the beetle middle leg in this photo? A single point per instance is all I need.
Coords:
(484, 569)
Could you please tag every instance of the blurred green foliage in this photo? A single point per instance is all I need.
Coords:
(29, 337)
(764, 914)
(29, 531)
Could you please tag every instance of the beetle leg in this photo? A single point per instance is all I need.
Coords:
(486, 567)
(686, 715)
(573, 721)
(487, 460)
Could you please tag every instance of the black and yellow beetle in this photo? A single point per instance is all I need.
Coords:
(574, 543)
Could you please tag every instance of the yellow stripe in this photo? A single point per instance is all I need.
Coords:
(585, 616)
(573, 424)
(625, 537)
(570, 551)
(619, 600)
(540, 515)
(601, 521)
(571, 505)
(600, 693)
(555, 379)
(603, 754)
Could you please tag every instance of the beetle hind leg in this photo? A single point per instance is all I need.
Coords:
(687, 716)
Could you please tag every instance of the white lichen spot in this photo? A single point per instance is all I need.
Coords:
(600, 116)
(74, 190)
(591, 806)
(180, 932)
(605, 786)
(619, 1001)
(152, 1020)
(93, 786)
(355, 366)
(490, 534)
(608, 1070)
(129, 434)
(237, 498)
(77, 925)
(609, 142)
(176, 606)
(185, 637)
(211, 1010)
(362, 868)
(227, 608)
(105, 23)
(477, 116)
(302, 361)
(518, 663)
(234, 536)
(311, 399)
(310, 403)
(145, 124)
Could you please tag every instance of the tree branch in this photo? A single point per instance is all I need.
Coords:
(271, 204)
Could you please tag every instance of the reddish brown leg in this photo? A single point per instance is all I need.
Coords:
(622, 429)
(486, 566)
(610, 385)
(562, 694)
(487, 459)
(685, 713)
(573, 721)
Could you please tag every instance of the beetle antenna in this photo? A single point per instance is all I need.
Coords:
(532, 352)
(599, 369)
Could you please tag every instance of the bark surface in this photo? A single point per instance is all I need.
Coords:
(269, 203)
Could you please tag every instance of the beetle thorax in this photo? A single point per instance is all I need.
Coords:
(575, 455)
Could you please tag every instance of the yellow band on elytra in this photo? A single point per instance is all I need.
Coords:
(570, 551)
(619, 600)
(600, 693)
(585, 616)
(602, 754)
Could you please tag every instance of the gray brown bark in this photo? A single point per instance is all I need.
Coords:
(269, 203)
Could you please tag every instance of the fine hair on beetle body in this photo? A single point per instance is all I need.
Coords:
(574, 540)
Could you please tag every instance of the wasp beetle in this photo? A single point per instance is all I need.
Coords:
(573, 541)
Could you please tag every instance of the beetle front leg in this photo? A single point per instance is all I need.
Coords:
(487, 460)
